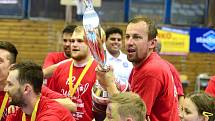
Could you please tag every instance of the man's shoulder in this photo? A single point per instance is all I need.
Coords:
(55, 53)
(49, 105)
(52, 110)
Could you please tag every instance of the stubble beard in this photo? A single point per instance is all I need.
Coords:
(18, 99)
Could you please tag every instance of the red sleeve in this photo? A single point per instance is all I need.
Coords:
(211, 87)
(151, 89)
(49, 60)
(177, 80)
(50, 93)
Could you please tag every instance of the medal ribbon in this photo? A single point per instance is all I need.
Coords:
(33, 115)
(3, 105)
(72, 90)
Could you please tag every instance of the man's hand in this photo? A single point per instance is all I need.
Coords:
(106, 79)
(12, 109)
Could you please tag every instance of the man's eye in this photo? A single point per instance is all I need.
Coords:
(127, 36)
(187, 111)
(137, 37)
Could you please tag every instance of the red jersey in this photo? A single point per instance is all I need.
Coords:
(48, 110)
(211, 87)
(176, 78)
(153, 82)
(45, 91)
(82, 96)
(2, 95)
(53, 58)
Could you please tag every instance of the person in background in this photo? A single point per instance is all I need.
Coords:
(24, 84)
(176, 77)
(198, 107)
(151, 77)
(126, 106)
(118, 60)
(210, 89)
(56, 57)
(8, 54)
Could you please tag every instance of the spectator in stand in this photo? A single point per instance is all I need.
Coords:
(151, 77)
(24, 85)
(56, 57)
(211, 87)
(198, 107)
(126, 106)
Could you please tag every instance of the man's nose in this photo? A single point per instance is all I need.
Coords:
(68, 43)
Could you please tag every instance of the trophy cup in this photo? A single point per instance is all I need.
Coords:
(95, 36)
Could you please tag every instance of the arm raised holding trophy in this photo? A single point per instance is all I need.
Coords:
(95, 36)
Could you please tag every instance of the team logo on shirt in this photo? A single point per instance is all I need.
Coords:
(125, 64)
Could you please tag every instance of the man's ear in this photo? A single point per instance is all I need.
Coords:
(153, 43)
(27, 89)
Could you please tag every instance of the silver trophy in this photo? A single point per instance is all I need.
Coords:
(95, 38)
(94, 33)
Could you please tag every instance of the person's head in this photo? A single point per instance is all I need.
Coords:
(8, 54)
(113, 40)
(79, 48)
(24, 81)
(140, 39)
(126, 106)
(67, 34)
(198, 107)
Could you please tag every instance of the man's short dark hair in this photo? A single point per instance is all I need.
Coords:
(113, 30)
(69, 29)
(29, 72)
(10, 48)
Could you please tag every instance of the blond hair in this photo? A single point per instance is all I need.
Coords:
(130, 105)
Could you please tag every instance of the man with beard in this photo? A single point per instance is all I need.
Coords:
(57, 57)
(8, 53)
(24, 85)
(76, 78)
(151, 77)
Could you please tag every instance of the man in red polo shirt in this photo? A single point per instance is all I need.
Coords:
(151, 77)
